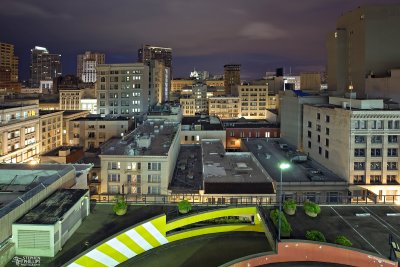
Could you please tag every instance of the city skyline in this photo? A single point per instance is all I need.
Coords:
(203, 35)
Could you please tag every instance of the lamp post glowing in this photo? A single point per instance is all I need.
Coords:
(351, 91)
(283, 166)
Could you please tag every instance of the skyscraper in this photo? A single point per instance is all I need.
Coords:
(231, 78)
(148, 52)
(44, 66)
(366, 41)
(86, 65)
(8, 63)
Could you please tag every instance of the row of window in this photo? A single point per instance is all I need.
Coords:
(123, 79)
(116, 95)
(327, 118)
(152, 166)
(376, 124)
(375, 152)
(375, 139)
(390, 179)
(375, 166)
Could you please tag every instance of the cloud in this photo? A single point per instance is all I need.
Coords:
(261, 31)
(20, 9)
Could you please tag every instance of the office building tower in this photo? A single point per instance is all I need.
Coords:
(231, 78)
(366, 41)
(122, 89)
(8, 64)
(148, 52)
(86, 65)
(44, 66)
(310, 81)
(160, 82)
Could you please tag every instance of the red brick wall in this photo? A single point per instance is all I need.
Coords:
(233, 142)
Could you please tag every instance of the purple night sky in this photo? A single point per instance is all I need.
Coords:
(259, 34)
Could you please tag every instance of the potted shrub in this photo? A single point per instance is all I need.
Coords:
(344, 241)
(311, 209)
(286, 229)
(184, 206)
(120, 206)
(315, 235)
(289, 206)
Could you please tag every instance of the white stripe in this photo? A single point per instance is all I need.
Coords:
(138, 239)
(154, 232)
(121, 247)
(103, 258)
(75, 265)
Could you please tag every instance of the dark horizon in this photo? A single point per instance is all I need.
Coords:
(259, 35)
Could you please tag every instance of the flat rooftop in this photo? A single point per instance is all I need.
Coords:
(18, 180)
(188, 174)
(47, 112)
(53, 208)
(232, 172)
(270, 154)
(54, 152)
(99, 118)
(208, 123)
(245, 123)
(73, 112)
(152, 138)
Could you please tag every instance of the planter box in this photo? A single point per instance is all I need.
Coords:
(289, 211)
(311, 214)
(120, 212)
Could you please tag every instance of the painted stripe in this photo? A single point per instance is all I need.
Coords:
(75, 265)
(147, 236)
(124, 238)
(121, 247)
(112, 252)
(138, 239)
(101, 257)
(89, 262)
(154, 231)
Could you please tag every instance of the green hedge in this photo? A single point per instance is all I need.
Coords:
(344, 241)
(315, 235)
(286, 229)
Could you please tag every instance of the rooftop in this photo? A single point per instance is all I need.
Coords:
(55, 151)
(99, 118)
(73, 112)
(269, 152)
(52, 209)
(208, 123)
(246, 123)
(47, 112)
(152, 138)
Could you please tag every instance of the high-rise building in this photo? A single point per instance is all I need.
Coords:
(86, 65)
(44, 66)
(310, 81)
(366, 41)
(148, 52)
(122, 89)
(8, 63)
(160, 82)
(231, 78)
(254, 101)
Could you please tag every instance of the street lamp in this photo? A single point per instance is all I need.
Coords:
(351, 91)
(282, 166)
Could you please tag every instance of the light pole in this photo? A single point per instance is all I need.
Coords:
(282, 166)
(351, 91)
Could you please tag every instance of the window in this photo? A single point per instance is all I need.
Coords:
(155, 190)
(320, 150)
(113, 177)
(186, 137)
(129, 178)
(375, 179)
(359, 139)
(391, 179)
(327, 131)
(319, 138)
(394, 124)
(318, 128)
(192, 137)
(358, 166)
(327, 142)
(114, 165)
(318, 116)
(376, 152)
(309, 144)
(392, 152)
(376, 139)
(376, 166)
(358, 179)
(392, 139)
(327, 118)
(359, 152)
(309, 134)
(309, 124)
(154, 178)
(231, 133)
(326, 154)
(392, 166)
(154, 166)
